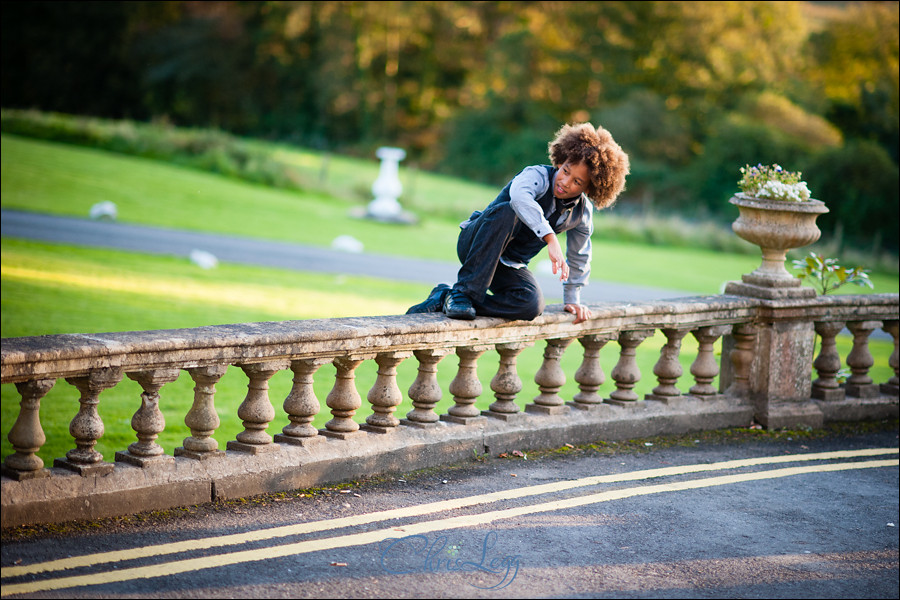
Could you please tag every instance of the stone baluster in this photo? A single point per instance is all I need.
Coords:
(506, 384)
(202, 418)
(27, 435)
(668, 368)
(425, 392)
(705, 367)
(626, 373)
(828, 363)
(148, 422)
(87, 426)
(860, 360)
(892, 386)
(343, 399)
(466, 387)
(742, 359)
(589, 375)
(385, 394)
(302, 405)
(256, 411)
(550, 378)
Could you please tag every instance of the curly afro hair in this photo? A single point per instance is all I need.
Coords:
(595, 147)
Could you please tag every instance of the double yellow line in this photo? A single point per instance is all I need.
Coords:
(358, 539)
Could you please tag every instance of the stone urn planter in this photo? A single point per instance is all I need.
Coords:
(776, 226)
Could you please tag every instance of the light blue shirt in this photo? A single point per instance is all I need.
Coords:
(529, 185)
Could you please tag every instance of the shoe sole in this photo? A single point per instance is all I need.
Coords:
(466, 316)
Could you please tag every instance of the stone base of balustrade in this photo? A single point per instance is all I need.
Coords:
(145, 462)
(828, 394)
(890, 389)
(379, 429)
(23, 475)
(508, 417)
(194, 455)
(475, 420)
(706, 397)
(419, 424)
(788, 415)
(95, 469)
(665, 399)
(587, 406)
(857, 409)
(305, 442)
(250, 448)
(342, 435)
(542, 409)
(866, 390)
(617, 402)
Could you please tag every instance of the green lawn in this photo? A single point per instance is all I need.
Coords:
(49, 288)
(60, 179)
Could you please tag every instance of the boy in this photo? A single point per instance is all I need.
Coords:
(495, 245)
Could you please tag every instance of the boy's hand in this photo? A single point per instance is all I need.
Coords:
(557, 258)
(582, 313)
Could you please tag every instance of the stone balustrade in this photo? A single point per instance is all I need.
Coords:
(764, 374)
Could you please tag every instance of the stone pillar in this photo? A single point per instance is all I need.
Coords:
(466, 387)
(828, 363)
(780, 381)
(302, 405)
(705, 367)
(256, 410)
(148, 422)
(668, 367)
(506, 384)
(860, 360)
(550, 378)
(892, 386)
(590, 374)
(385, 394)
(87, 426)
(626, 373)
(425, 392)
(27, 435)
(343, 399)
(202, 418)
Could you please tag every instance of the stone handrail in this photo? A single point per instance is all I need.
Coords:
(764, 374)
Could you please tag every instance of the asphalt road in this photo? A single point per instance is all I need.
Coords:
(251, 251)
(778, 516)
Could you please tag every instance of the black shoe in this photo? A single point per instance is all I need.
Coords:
(433, 303)
(458, 306)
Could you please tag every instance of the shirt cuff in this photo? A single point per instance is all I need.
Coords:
(543, 230)
(571, 294)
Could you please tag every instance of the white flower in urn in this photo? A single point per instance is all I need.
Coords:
(773, 183)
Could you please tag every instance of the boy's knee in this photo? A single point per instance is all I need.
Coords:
(532, 309)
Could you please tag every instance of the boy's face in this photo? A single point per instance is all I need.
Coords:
(571, 180)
